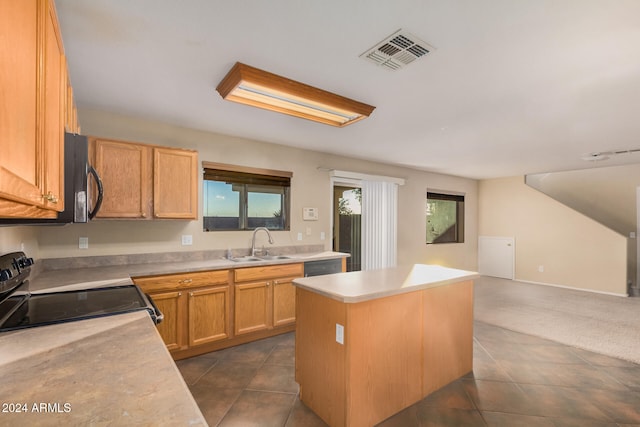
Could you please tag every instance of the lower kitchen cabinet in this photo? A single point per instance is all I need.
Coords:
(209, 315)
(171, 305)
(210, 310)
(196, 307)
(265, 297)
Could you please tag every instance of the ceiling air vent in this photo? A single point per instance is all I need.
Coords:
(398, 50)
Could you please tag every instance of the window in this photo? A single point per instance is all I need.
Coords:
(445, 218)
(240, 198)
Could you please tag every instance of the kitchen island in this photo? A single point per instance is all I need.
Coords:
(371, 343)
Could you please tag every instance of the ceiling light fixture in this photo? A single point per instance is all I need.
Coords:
(251, 86)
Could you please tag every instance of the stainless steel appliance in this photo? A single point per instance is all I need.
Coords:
(77, 197)
(21, 309)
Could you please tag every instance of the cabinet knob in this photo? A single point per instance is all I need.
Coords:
(179, 294)
(275, 282)
(50, 197)
(190, 294)
(144, 215)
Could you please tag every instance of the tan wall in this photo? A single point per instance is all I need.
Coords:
(310, 188)
(19, 239)
(574, 250)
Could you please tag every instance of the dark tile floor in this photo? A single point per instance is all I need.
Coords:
(517, 380)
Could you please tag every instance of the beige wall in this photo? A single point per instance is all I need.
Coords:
(19, 239)
(574, 250)
(310, 188)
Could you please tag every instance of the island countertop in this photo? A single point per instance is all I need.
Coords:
(358, 286)
(112, 370)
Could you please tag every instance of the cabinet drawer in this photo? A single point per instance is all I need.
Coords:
(268, 272)
(182, 281)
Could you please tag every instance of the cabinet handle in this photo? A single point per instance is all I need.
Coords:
(191, 294)
(51, 197)
(185, 281)
(144, 215)
(268, 284)
(275, 282)
(179, 294)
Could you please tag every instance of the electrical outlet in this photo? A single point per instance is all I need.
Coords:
(541, 268)
(83, 243)
(322, 235)
(339, 333)
(187, 240)
(299, 236)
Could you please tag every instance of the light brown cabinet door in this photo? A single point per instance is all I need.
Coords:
(252, 307)
(172, 328)
(175, 183)
(209, 315)
(31, 132)
(18, 80)
(284, 302)
(54, 101)
(126, 178)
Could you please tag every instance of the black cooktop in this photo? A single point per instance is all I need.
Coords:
(58, 307)
(21, 309)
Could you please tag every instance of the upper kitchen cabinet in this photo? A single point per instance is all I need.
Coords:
(144, 181)
(33, 85)
(175, 183)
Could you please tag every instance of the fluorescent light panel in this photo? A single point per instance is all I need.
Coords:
(251, 86)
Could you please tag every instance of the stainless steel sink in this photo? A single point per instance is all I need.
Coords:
(245, 259)
(274, 257)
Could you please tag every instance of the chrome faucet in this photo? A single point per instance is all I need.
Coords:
(253, 239)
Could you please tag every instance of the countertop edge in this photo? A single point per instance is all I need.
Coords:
(91, 277)
(382, 293)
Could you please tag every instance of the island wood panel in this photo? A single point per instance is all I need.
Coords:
(384, 353)
(322, 376)
(448, 334)
(397, 350)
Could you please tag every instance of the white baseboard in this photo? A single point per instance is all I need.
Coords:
(572, 288)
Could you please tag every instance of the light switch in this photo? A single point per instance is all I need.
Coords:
(299, 236)
(83, 243)
(322, 235)
(187, 240)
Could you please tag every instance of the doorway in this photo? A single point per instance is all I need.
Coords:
(347, 235)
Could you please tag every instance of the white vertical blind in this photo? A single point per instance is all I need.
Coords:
(379, 224)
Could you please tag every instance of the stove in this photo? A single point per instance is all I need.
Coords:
(21, 309)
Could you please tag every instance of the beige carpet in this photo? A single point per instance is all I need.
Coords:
(600, 323)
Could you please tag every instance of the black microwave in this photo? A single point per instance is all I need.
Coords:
(77, 197)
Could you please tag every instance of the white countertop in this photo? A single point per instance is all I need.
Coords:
(358, 286)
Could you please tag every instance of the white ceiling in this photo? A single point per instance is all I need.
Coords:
(514, 87)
